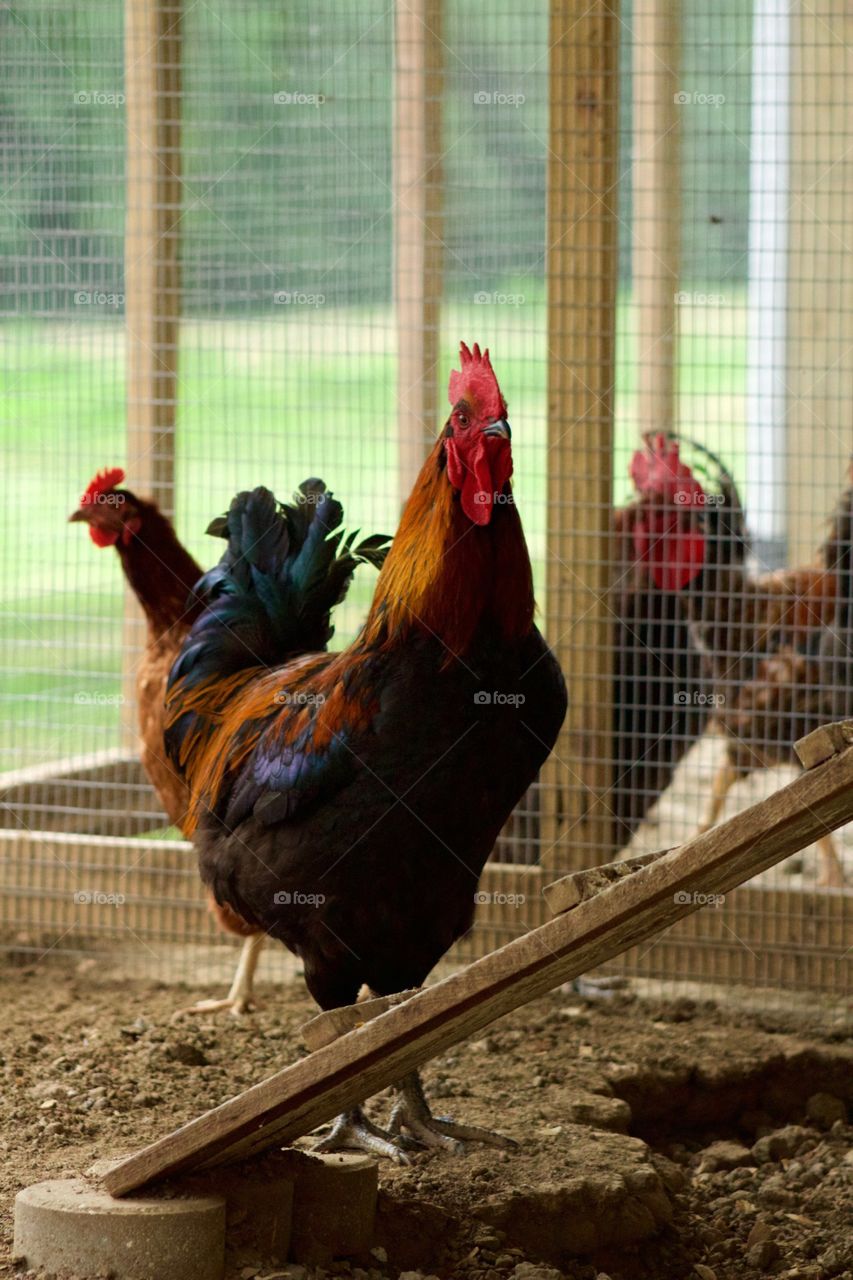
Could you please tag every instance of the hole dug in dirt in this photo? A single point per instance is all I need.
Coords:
(715, 1162)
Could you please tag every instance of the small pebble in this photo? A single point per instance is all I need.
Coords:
(725, 1156)
(835, 1259)
(533, 1271)
(824, 1109)
(760, 1232)
(136, 1029)
(782, 1144)
(187, 1054)
(763, 1255)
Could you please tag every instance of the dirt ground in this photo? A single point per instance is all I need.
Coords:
(658, 1139)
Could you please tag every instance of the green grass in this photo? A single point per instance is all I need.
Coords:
(261, 401)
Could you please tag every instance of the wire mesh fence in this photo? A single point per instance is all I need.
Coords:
(240, 246)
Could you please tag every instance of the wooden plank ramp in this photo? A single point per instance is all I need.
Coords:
(633, 908)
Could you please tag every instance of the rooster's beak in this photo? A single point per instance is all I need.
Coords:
(500, 428)
(78, 517)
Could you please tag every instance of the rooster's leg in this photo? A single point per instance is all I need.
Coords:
(724, 779)
(352, 1131)
(240, 998)
(412, 1112)
(831, 871)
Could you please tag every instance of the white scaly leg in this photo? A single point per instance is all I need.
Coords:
(240, 999)
(831, 871)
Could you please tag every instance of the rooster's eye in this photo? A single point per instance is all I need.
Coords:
(462, 419)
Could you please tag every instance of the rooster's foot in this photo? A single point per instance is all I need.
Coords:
(352, 1131)
(412, 1112)
(236, 1006)
(831, 871)
(240, 999)
(596, 988)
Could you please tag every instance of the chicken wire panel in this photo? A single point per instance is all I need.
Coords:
(62, 341)
(285, 359)
(287, 362)
(732, 306)
(731, 207)
(734, 333)
(61, 216)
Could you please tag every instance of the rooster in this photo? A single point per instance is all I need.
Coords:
(163, 576)
(346, 803)
(737, 620)
(660, 707)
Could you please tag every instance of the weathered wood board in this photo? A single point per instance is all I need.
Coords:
(570, 891)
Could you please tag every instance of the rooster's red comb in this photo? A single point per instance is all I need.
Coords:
(477, 381)
(658, 470)
(103, 482)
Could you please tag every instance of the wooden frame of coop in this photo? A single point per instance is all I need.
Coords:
(773, 937)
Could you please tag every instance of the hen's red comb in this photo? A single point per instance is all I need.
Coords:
(103, 482)
(477, 379)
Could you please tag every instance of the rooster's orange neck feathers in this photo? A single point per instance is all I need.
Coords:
(447, 577)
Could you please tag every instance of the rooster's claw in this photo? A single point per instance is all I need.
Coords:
(352, 1131)
(412, 1111)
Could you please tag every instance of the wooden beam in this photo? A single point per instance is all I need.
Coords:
(772, 937)
(582, 275)
(94, 887)
(572, 890)
(333, 1023)
(103, 792)
(822, 743)
(311, 1091)
(656, 215)
(777, 934)
(417, 207)
(819, 311)
(152, 52)
(766, 406)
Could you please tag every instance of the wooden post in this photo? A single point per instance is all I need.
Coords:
(656, 219)
(582, 277)
(152, 275)
(767, 298)
(819, 376)
(417, 228)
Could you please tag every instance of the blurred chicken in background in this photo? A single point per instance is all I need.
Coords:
(758, 636)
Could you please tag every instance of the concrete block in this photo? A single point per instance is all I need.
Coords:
(258, 1197)
(67, 1225)
(334, 1205)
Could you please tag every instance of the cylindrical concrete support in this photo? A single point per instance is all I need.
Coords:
(68, 1226)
